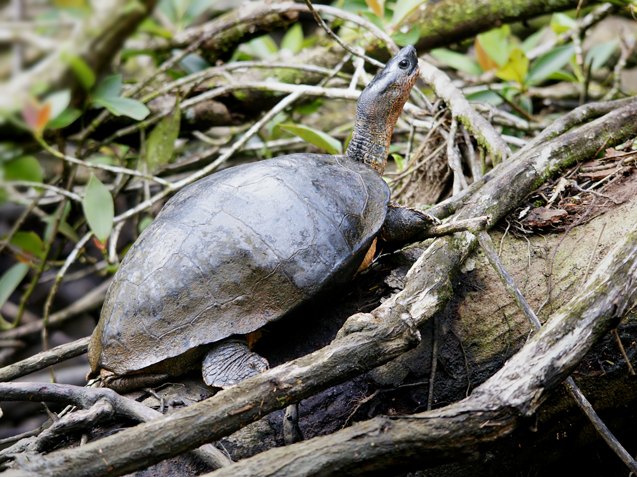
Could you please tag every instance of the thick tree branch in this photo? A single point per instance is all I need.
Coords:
(366, 341)
(107, 400)
(492, 410)
(442, 23)
(460, 108)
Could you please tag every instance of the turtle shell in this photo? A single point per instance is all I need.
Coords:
(234, 251)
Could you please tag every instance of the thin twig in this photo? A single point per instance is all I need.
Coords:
(627, 46)
(44, 359)
(453, 158)
(622, 350)
(58, 190)
(60, 275)
(213, 71)
(115, 169)
(337, 39)
(473, 225)
(271, 9)
(87, 302)
(590, 260)
(86, 398)
(30, 207)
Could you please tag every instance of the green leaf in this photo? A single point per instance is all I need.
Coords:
(308, 108)
(197, 7)
(28, 242)
(400, 162)
(515, 68)
(532, 41)
(599, 54)
(174, 10)
(193, 63)
(293, 39)
(161, 141)
(101, 159)
(134, 6)
(561, 23)
(402, 8)
(562, 76)
(485, 96)
(25, 168)
(10, 280)
(456, 60)
(107, 94)
(151, 27)
(82, 71)
(315, 137)
(549, 63)
(109, 87)
(408, 38)
(98, 208)
(262, 47)
(63, 227)
(495, 43)
(59, 101)
(369, 16)
(124, 107)
(145, 221)
(67, 117)
(525, 103)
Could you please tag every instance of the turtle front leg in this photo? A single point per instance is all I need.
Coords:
(229, 362)
(404, 225)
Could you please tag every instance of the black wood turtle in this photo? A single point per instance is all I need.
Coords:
(244, 246)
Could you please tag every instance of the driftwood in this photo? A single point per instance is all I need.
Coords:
(371, 339)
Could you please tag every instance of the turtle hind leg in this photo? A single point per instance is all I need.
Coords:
(230, 362)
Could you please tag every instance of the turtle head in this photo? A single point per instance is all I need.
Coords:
(379, 106)
(390, 88)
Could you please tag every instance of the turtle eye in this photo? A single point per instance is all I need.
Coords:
(403, 64)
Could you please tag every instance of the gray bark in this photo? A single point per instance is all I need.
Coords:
(369, 340)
